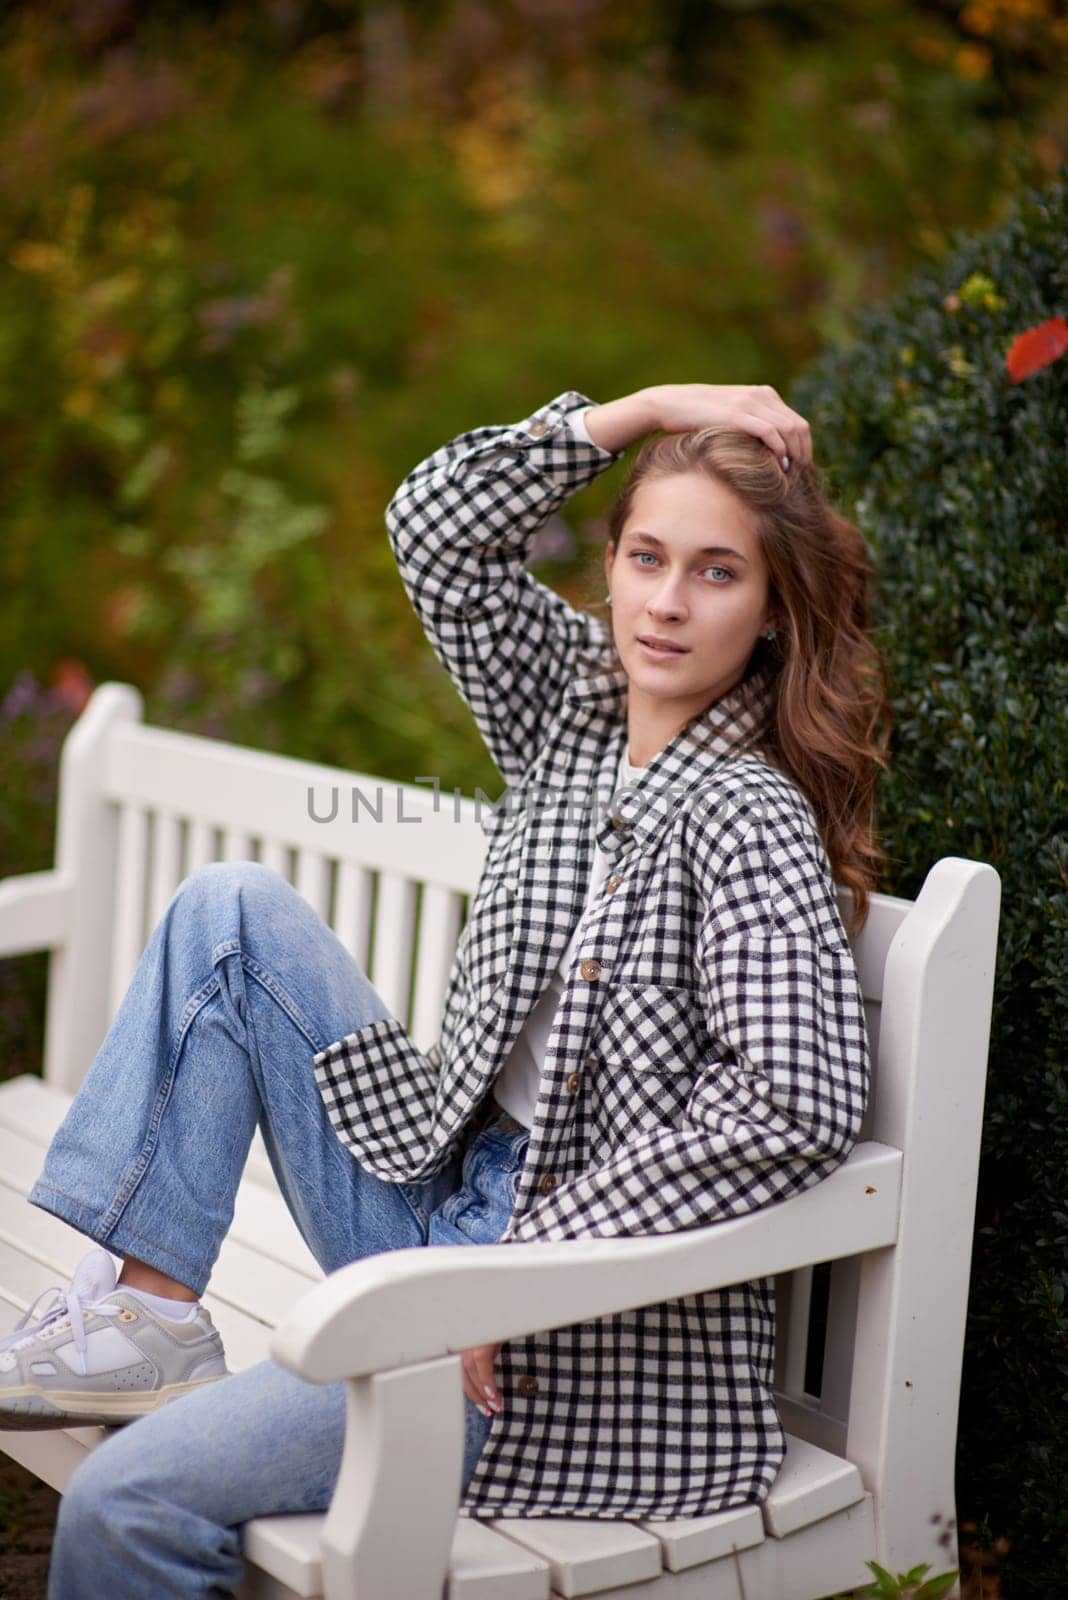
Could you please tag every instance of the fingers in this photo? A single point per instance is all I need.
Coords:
(480, 1386)
(754, 408)
(783, 430)
(764, 428)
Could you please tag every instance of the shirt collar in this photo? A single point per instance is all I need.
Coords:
(637, 814)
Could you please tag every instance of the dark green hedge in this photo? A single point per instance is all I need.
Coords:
(958, 475)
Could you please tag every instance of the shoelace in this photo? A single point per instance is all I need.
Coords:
(67, 1307)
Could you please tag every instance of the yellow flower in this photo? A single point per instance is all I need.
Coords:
(956, 361)
(979, 292)
(30, 256)
(972, 60)
(979, 18)
(82, 404)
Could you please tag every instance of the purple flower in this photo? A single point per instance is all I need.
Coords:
(553, 541)
(20, 697)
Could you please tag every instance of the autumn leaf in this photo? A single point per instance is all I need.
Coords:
(71, 684)
(1036, 348)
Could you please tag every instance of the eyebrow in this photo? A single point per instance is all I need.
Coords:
(709, 549)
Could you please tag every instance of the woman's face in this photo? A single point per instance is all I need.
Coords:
(688, 570)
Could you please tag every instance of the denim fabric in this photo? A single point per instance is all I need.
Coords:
(239, 985)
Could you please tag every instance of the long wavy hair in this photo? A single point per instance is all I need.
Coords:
(829, 718)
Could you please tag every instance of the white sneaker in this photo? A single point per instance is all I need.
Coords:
(101, 1354)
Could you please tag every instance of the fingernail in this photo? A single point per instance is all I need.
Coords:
(486, 1412)
(786, 463)
(489, 1391)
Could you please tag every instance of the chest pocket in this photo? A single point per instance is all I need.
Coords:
(646, 1054)
(650, 1028)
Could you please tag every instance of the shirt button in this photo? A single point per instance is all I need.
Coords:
(547, 1184)
(538, 428)
(527, 1384)
(614, 883)
(591, 970)
(573, 1082)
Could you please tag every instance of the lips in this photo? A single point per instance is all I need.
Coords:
(654, 643)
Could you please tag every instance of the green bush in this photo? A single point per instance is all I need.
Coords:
(957, 476)
(217, 234)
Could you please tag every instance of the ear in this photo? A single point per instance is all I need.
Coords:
(777, 615)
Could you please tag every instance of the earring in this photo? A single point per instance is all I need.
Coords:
(608, 599)
(770, 634)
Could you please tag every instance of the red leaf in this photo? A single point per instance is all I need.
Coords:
(1036, 348)
(71, 684)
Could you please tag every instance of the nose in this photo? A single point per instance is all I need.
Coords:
(666, 598)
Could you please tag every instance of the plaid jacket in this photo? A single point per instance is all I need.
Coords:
(709, 1055)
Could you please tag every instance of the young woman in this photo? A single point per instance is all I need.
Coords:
(653, 1021)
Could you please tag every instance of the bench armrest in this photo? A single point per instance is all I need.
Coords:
(35, 910)
(409, 1306)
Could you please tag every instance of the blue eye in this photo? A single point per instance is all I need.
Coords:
(636, 555)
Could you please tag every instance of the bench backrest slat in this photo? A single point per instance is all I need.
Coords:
(353, 908)
(166, 872)
(440, 923)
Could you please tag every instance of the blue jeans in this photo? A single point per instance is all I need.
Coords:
(240, 984)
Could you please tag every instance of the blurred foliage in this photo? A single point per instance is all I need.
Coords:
(956, 474)
(256, 260)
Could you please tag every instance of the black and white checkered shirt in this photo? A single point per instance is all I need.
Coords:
(709, 1055)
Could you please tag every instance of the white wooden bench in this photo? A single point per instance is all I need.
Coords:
(869, 1349)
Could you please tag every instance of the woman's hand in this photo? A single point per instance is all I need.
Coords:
(678, 407)
(479, 1382)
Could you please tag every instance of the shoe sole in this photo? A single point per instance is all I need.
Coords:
(27, 1408)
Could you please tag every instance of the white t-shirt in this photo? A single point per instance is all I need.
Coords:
(519, 1079)
(576, 421)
